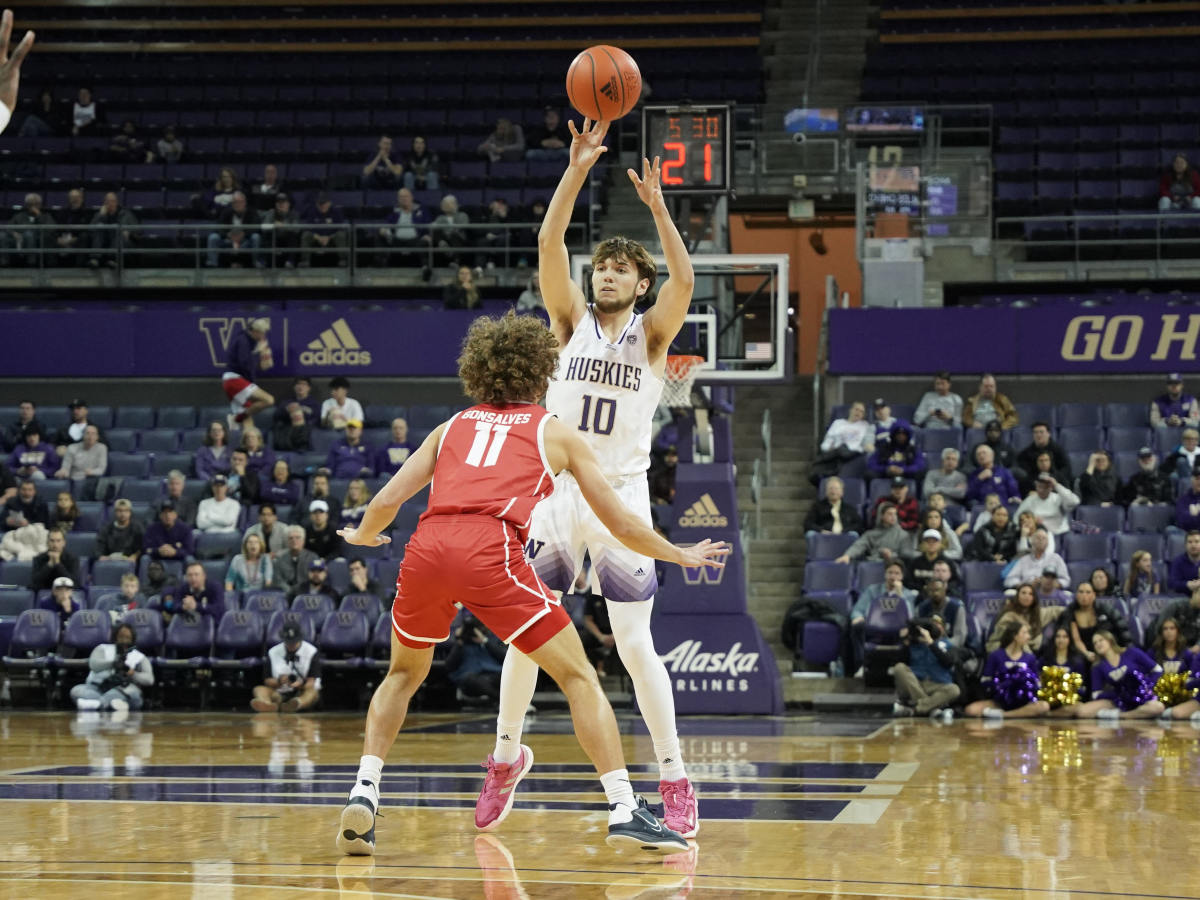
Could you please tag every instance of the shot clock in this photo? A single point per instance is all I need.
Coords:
(694, 143)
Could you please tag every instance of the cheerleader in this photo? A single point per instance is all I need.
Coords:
(1174, 657)
(1060, 652)
(1122, 681)
(1010, 677)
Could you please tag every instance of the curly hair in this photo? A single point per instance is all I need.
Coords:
(507, 360)
(630, 251)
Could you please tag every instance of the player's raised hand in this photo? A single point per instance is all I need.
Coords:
(705, 553)
(648, 187)
(587, 146)
(10, 68)
(352, 536)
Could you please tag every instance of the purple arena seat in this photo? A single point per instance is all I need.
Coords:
(238, 642)
(345, 635)
(85, 630)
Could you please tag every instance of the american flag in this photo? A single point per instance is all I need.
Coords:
(758, 350)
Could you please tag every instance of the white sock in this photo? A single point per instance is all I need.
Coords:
(619, 792)
(670, 759)
(518, 681)
(366, 783)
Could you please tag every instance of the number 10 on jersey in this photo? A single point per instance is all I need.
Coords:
(599, 414)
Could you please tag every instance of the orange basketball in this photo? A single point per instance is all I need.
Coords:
(603, 83)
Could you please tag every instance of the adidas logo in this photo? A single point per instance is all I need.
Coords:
(703, 514)
(505, 737)
(337, 346)
(610, 89)
(640, 571)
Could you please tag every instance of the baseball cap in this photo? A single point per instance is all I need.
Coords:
(1174, 377)
(77, 402)
(931, 534)
(898, 481)
(1045, 476)
(1145, 452)
(63, 581)
(317, 564)
(357, 423)
(1050, 571)
(122, 504)
(318, 506)
(166, 504)
(290, 632)
(219, 479)
(879, 401)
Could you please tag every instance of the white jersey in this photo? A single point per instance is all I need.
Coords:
(608, 391)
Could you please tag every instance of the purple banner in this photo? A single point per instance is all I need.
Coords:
(183, 343)
(1063, 339)
(718, 664)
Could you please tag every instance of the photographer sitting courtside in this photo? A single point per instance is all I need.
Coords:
(924, 675)
(118, 673)
(293, 681)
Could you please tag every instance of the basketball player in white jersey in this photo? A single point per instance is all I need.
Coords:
(10, 67)
(608, 385)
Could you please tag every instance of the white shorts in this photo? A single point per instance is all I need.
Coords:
(564, 526)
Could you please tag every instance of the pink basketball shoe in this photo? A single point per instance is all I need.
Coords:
(500, 789)
(681, 812)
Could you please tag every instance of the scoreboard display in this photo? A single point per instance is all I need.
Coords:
(694, 144)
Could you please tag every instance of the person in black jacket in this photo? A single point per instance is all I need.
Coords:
(1099, 484)
(1027, 458)
(55, 563)
(997, 540)
(25, 507)
(1085, 616)
(238, 232)
(1148, 485)
(831, 515)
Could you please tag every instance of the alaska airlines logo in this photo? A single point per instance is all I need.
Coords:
(1119, 338)
(337, 346)
(703, 514)
(688, 657)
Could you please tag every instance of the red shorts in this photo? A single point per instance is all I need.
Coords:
(238, 389)
(477, 561)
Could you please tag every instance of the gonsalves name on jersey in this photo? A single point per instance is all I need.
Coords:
(598, 371)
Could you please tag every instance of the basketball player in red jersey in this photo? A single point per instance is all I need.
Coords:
(490, 466)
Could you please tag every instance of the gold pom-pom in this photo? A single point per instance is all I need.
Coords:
(1060, 686)
(1172, 688)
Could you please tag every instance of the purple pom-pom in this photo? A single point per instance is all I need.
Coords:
(1133, 690)
(1015, 687)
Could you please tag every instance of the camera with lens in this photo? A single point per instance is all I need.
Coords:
(933, 626)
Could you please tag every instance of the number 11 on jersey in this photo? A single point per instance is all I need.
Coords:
(489, 438)
(602, 417)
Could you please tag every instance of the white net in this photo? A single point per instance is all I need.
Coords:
(678, 378)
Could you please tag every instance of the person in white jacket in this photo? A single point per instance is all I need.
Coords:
(1051, 504)
(219, 513)
(118, 672)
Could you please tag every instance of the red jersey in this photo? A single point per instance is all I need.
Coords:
(492, 462)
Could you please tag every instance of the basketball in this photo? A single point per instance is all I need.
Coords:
(603, 83)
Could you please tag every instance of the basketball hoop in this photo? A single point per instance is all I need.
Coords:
(678, 377)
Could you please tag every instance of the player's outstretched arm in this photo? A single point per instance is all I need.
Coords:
(413, 475)
(666, 317)
(566, 450)
(564, 300)
(10, 67)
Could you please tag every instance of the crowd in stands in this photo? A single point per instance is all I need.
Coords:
(983, 531)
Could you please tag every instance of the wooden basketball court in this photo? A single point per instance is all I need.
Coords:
(224, 805)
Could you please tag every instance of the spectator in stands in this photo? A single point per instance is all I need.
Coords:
(48, 118)
(988, 404)
(1141, 579)
(25, 507)
(947, 481)
(292, 433)
(1032, 565)
(924, 673)
(990, 478)
(882, 420)
(61, 600)
(168, 537)
(88, 458)
(381, 171)
(448, 230)
(897, 455)
(1183, 577)
(280, 224)
(531, 298)
(1185, 457)
(14, 434)
(935, 600)
(1099, 485)
(350, 457)
(475, 662)
(214, 456)
(498, 238)
(405, 228)
(920, 567)
(1185, 613)
(302, 397)
(56, 562)
(1012, 652)
(129, 596)
(1005, 453)
(390, 457)
(198, 595)
(86, 114)
(1187, 506)
(1027, 527)
(1048, 591)
(158, 580)
(1179, 187)
(506, 142)
(324, 230)
(907, 510)
(118, 230)
(1107, 588)
(361, 581)
(317, 582)
(1024, 606)
(1084, 616)
(319, 490)
(1042, 442)
(127, 147)
(550, 140)
(237, 233)
(219, 513)
(1175, 408)
(293, 675)
(272, 532)
(463, 292)
(1148, 485)
(259, 458)
(832, 515)
(291, 564)
(184, 505)
(117, 672)
(340, 407)
(885, 541)
(264, 193)
(1051, 504)
(65, 514)
(123, 537)
(321, 535)
(1169, 648)
(72, 235)
(421, 167)
(891, 593)
(282, 489)
(997, 540)
(72, 432)
(931, 519)
(939, 409)
(354, 506)
(223, 189)
(250, 570)
(170, 147)
(845, 440)
(31, 232)
(33, 457)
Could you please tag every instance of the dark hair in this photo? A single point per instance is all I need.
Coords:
(339, 381)
(268, 505)
(507, 360)
(1180, 643)
(632, 252)
(302, 378)
(1040, 425)
(1011, 629)
(356, 559)
(896, 563)
(1190, 533)
(124, 625)
(208, 432)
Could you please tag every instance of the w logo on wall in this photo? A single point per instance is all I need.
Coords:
(697, 575)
